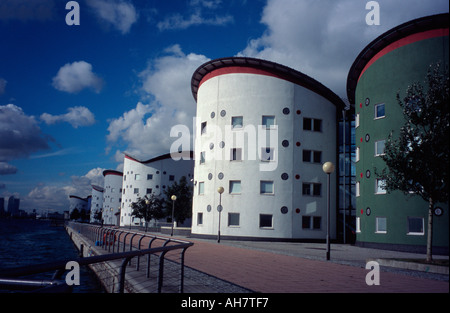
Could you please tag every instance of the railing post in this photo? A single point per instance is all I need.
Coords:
(148, 257)
(123, 269)
(161, 271)
(182, 270)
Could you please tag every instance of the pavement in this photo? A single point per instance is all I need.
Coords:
(293, 267)
(278, 267)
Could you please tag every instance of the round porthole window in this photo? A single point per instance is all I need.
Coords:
(220, 175)
(223, 113)
(211, 146)
(367, 174)
(284, 210)
(367, 101)
(286, 111)
(284, 176)
(210, 176)
(213, 114)
(368, 211)
(367, 137)
(222, 144)
(285, 143)
(208, 208)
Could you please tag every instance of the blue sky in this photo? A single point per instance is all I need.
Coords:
(74, 98)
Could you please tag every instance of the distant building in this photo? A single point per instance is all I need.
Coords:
(264, 131)
(96, 203)
(13, 206)
(388, 65)
(79, 204)
(2, 207)
(112, 197)
(153, 176)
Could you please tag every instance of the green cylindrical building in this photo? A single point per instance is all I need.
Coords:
(387, 66)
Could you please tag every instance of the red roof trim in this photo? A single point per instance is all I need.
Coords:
(404, 42)
(237, 70)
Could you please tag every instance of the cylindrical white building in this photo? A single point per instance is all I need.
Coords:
(153, 176)
(112, 197)
(96, 202)
(263, 132)
(78, 203)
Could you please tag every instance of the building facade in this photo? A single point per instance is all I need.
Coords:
(153, 176)
(96, 203)
(263, 132)
(112, 197)
(384, 68)
(80, 204)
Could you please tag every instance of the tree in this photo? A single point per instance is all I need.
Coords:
(417, 160)
(147, 208)
(183, 204)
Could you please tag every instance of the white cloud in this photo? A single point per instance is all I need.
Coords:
(20, 134)
(322, 38)
(77, 117)
(6, 169)
(121, 14)
(76, 76)
(145, 130)
(56, 197)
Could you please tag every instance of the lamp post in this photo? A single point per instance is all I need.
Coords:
(220, 190)
(173, 209)
(328, 168)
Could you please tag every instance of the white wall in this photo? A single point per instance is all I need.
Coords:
(253, 96)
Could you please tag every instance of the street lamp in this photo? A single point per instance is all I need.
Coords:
(220, 190)
(328, 168)
(173, 208)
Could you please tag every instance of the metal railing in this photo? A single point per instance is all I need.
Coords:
(110, 253)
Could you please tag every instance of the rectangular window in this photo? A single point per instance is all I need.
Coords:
(415, 226)
(265, 221)
(311, 189)
(317, 222)
(235, 186)
(317, 125)
(310, 156)
(136, 190)
(307, 156)
(237, 122)
(149, 191)
(149, 176)
(266, 187)
(379, 110)
(311, 222)
(202, 157)
(357, 120)
(233, 219)
(381, 225)
(317, 156)
(358, 224)
(379, 186)
(268, 122)
(306, 222)
(357, 189)
(379, 147)
(203, 128)
(312, 124)
(199, 218)
(201, 188)
(171, 177)
(357, 154)
(236, 154)
(267, 154)
(137, 176)
(307, 123)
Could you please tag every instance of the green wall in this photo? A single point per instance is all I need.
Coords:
(380, 83)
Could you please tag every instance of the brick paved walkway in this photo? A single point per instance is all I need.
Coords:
(275, 273)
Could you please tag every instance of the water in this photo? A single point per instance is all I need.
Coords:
(29, 242)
